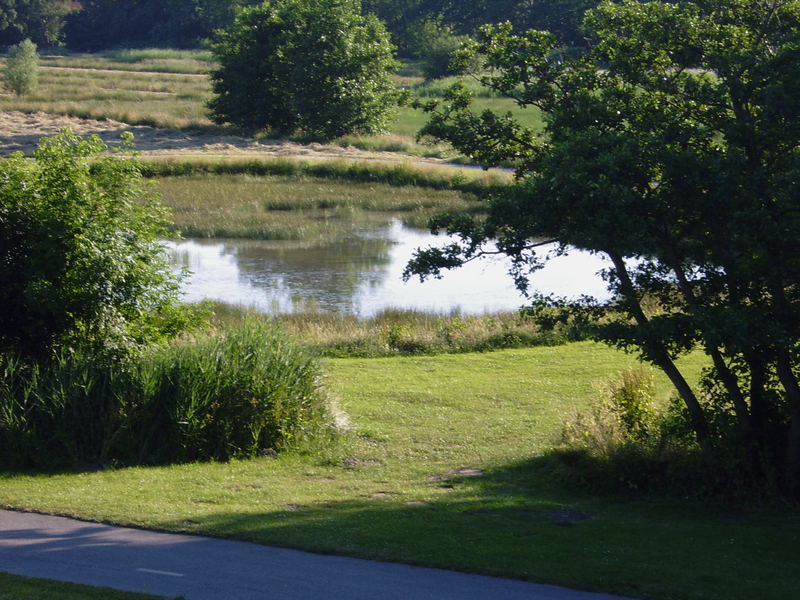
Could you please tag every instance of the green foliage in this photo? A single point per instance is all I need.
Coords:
(434, 43)
(37, 20)
(299, 65)
(623, 443)
(671, 147)
(104, 24)
(21, 73)
(216, 397)
(82, 263)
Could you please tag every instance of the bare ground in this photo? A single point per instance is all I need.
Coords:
(20, 132)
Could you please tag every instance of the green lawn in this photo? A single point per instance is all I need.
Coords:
(13, 587)
(442, 466)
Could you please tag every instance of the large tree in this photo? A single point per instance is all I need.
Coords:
(303, 65)
(671, 146)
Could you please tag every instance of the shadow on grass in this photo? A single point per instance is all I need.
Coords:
(515, 521)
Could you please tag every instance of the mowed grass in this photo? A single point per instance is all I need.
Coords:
(296, 208)
(442, 466)
(170, 88)
(14, 587)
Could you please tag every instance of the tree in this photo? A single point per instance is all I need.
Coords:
(671, 146)
(434, 43)
(38, 20)
(81, 263)
(101, 24)
(21, 73)
(317, 67)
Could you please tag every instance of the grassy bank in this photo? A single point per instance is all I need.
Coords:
(14, 587)
(430, 176)
(400, 332)
(442, 466)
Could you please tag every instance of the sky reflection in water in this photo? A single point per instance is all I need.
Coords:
(363, 275)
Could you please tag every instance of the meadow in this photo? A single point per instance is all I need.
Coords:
(168, 88)
(296, 208)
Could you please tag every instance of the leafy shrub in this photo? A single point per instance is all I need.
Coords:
(434, 43)
(80, 249)
(318, 67)
(218, 397)
(624, 443)
(21, 73)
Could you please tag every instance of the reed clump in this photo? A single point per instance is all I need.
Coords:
(236, 393)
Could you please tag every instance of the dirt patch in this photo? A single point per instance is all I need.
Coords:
(20, 132)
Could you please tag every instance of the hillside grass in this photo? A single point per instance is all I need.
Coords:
(443, 466)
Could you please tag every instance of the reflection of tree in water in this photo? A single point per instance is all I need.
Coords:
(327, 275)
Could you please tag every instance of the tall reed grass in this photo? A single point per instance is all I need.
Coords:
(395, 332)
(233, 394)
(436, 177)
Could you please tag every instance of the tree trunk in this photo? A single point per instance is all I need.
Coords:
(789, 383)
(666, 364)
(712, 346)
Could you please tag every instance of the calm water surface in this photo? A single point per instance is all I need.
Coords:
(363, 275)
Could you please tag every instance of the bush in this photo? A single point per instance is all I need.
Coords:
(300, 65)
(219, 397)
(21, 74)
(434, 43)
(80, 250)
(624, 444)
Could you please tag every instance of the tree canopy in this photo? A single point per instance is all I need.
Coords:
(300, 65)
(38, 20)
(671, 146)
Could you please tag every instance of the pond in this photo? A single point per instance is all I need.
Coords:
(363, 275)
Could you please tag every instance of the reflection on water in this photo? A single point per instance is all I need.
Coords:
(363, 275)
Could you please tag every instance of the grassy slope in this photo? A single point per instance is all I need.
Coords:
(387, 491)
(13, 587)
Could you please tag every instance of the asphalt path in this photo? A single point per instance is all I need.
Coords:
(199, 568)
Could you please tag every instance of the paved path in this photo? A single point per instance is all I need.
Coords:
(199, 568)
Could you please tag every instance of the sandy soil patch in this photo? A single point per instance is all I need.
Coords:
(20, 132)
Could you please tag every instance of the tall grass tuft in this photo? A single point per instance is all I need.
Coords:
(218, 397)
(626, 443)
